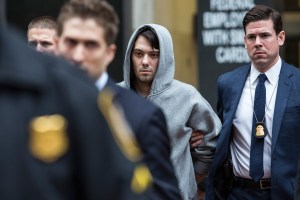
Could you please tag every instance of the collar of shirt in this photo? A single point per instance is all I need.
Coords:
(272, 74)
(101, 81)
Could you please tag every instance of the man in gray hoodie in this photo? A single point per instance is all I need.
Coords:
(149, 70)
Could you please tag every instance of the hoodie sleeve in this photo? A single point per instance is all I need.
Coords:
(204, 119)
(122, 84)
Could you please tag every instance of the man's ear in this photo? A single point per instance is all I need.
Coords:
(110, 53)
(281, 38)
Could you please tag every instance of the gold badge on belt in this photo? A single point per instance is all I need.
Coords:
(48, 139)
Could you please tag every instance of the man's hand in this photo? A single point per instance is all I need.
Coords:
(199, 179)
(196, 138)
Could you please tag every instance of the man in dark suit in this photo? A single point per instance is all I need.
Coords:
(237, 171)
(87, 30)
(297, 182)
(55, 143)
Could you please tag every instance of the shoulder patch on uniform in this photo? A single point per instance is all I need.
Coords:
(48, 139)
(126, 140)
(142, 179)
(120, 129)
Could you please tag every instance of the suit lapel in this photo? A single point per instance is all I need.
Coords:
(283, 92)
(235, 84)
(237, 88)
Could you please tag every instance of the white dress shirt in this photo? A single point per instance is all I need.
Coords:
(242, 122)
(101, 81)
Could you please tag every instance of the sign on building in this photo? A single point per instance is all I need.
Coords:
(220, 41)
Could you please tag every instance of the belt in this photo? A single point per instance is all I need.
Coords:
(249, 183)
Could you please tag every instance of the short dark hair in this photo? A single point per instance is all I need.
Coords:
(99, 10)
(262, 12)
(47, 22)
(150, 36)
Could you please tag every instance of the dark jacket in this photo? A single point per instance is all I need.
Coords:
(285, 148)
(54, 142)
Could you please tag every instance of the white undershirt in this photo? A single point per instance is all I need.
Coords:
(242, 122)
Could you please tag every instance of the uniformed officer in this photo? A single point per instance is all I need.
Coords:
(54, 141)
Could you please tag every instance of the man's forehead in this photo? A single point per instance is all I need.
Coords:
(42, 30)
(79, 21)
(260, 31)
(81, 37)
(83, 30)
(260, 24)
(41, 34)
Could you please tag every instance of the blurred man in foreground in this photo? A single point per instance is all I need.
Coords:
(87, 31)
(55, 143)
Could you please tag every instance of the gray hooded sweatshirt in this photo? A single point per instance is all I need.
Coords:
(185, 109)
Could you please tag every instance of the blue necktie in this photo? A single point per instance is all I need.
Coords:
(257, 144)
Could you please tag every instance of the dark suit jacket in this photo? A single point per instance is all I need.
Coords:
(149, 125)
(34, 85)
(285, 136)
(297, 186)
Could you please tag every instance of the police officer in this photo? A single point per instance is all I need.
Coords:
(51, 146)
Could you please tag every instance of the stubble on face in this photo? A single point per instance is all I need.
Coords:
(145, 60)
(145, 74)
(263, 44)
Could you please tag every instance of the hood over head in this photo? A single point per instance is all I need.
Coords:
(166, 67)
